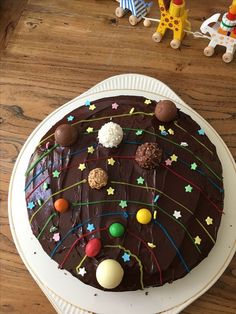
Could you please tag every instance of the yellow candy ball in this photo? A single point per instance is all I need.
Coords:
(144, 216)
(109, 274)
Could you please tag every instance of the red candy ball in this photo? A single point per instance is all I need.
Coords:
(93, 247)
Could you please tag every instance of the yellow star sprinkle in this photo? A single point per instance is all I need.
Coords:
(151, 245)
(110, 191)
(131, 110)
(111, 161)
(209, 221)
(90, 149)
(161, 128)
(89, 130)
(147, 102)
(173, 157)
(197, 240)
(171, 132)
(92, 107)
(82, 167)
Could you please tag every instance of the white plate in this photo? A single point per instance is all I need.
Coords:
(66, 292)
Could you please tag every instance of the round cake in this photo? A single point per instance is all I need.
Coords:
(125, 193)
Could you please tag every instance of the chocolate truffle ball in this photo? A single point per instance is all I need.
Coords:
(97, 178)
(148, 155)
(166, 111)
(65, 135)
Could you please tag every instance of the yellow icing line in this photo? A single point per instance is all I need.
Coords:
(80, 264)
(135, 256)
(178, 126)
(63, 190)
(151, 188)
(103, 118)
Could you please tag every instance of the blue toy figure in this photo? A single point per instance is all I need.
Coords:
(138, 8)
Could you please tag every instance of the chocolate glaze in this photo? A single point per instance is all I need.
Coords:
(127, 170)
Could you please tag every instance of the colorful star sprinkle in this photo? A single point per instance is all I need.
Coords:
(209, 221)
(184, 144)
(30, 205)
(90, 227)
(110, 191)
(82, 271)
(89, 130)
(123, 204)
(56, 174)
(90, 150)
(114, 106)
(147, 101)
(171, 132)
(82, 167)
(70, 118)
(87, 103)
(92, 107)
(177, 214)
(56, 237)
(139, 132)
(174, 157)
(197, 240)
(162, 128)
(201, 132)
(168, 162)
(111, 161)
(151, 245)
(140, 180)
(45, 186)
(131, 110)
(126, 257)
(193, 166)
(188, 188)
(164, 133)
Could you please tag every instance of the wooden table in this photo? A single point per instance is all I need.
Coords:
(53, 50)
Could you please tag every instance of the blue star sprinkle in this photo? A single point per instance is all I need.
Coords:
(164, 133)
(201, 132)
(126, 257)
(90, 227)
(87, 103)
(70, 118)
(30, 205)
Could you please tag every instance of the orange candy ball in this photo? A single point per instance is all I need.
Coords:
(61, 205)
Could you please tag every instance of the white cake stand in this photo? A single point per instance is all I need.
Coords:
(66, 293)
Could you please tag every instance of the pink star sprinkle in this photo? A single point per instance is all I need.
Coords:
(114, 106)
(168, 162)
(56, 237)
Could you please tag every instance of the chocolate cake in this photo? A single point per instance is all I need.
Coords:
(125, 193)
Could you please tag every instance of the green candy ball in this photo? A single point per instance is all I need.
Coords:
(116, 230)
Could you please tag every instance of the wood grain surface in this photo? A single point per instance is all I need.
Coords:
(57, 49)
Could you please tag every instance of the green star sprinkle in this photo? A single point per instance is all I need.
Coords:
(139, 132)
(193, 166)
(123, 204)
(45, 186)
(188, 188)
(56, 174)
(140, 180)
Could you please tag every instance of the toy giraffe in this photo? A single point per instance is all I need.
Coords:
(174, 17)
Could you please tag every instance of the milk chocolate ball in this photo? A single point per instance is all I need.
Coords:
(166, 111)
(148, 155)
(97, 178)
(65, 135)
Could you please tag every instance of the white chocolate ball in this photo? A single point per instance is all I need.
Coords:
(109, 274)
(110, 135)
